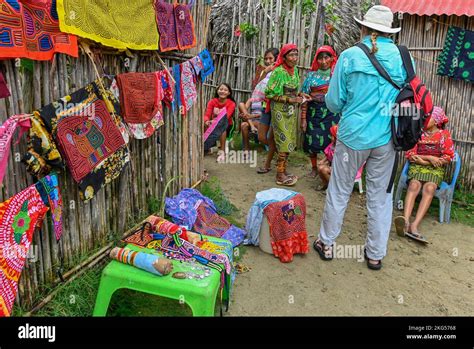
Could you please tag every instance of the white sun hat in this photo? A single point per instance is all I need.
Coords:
(379, 18)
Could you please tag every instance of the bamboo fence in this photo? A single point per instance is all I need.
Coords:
(280, 22)
(425, 36)
(175, 151)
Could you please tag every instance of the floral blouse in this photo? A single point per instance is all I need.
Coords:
(438, 144)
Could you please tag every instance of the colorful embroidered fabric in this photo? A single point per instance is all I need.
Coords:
(457, 58)
(168, 88)
(193, 210)
(30, 29)
(42, 154)
(184, 26)
(48, 187)
(177, 78)
(138, 102)
(140, 96)
(139, 239)
(176, 26)
(6, 134)
(188, 91)
(166, 25)
(19, 216)
(88, 135)
(288, 234)
(197, 65)
(120, 23)
(208, 64)
(214, 127)
(4, 91)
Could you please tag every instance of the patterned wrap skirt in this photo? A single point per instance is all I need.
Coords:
(426, 173)
(320, 120)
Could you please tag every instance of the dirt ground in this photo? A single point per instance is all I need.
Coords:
(415, 280)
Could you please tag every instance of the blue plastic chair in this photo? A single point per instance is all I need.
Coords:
(445, 192)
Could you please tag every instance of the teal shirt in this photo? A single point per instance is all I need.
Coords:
(363, 97)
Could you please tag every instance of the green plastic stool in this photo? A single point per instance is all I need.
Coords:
(200, 295)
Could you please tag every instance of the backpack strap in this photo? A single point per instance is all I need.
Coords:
(380, 69)
(407, 63)
(394, 171)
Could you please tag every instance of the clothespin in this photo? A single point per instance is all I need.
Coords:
(164, 66)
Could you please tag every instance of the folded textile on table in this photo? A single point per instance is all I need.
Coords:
(140, 96)
(19, 217)
(288, 234)
(30, 29)
(457, 58)
(120, 23)
(4, 91)
(6, 134)
(255, 215)
(193, 210)
(87, 130)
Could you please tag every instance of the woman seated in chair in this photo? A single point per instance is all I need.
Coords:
(428, 160)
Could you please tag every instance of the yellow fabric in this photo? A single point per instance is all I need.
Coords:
(116, 23)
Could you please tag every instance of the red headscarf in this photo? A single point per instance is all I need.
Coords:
(283, 52)
(439, 117)
(327, 49)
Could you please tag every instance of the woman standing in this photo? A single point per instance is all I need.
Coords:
(316, 119)
(282, 91)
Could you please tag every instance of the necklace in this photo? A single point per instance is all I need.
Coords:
(197, 272)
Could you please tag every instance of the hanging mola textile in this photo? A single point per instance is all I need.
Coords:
(176, 25)
(4, 91)
(19, 217)
(87, 130)
(457, 58)
(6, 134)
(119, 23)
(30, 29)
(140, 97)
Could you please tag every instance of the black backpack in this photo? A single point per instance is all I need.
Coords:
(412, 108)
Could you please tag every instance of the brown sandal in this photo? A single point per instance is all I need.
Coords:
(263, 170)
(287, 182)
(324, 251)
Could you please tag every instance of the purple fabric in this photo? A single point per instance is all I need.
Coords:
(166, 26)
(6, 134)
(183, 211)
(4, 92)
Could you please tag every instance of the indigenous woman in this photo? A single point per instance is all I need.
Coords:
(428, 160)
(316, 119)
(217, 124)
(282, 91)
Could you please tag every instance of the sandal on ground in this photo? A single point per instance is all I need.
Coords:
(416, 236)
(311, 175)
(400, 225)
(371, 266)
(324, 251)
(263, 170)
(287, 182)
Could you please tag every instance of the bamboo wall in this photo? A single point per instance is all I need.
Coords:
(425, 37)
(279, 22)
(89, 226)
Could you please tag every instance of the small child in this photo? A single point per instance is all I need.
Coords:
(324, 165)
